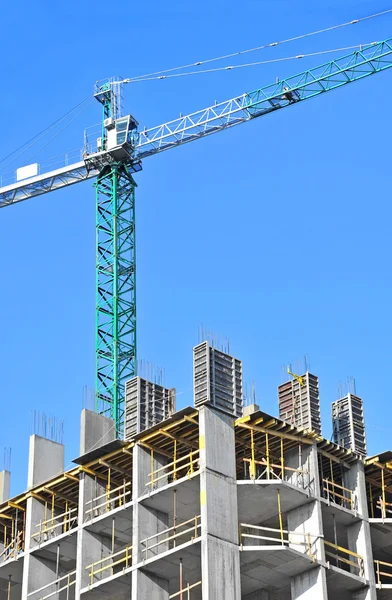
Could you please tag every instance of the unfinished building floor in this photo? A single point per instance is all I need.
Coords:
(203, 505)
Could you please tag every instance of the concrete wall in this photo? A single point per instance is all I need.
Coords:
(219, 545)
(96, 430)
(310, 585)
(147, 522)
(358, 534)
(308, 519)
(46, 460)
(5, 486)
(220, 560)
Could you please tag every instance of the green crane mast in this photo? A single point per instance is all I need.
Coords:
(115, 270)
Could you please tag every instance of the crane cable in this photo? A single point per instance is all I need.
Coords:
(35, 139)
(263, 47)
(160, 75)
(253, 64)
(62, 129)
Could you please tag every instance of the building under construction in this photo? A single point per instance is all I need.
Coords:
(214, 501)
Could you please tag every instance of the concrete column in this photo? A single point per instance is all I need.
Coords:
(46, 460)
(146, 522)
(354, 479)
(5, 486)
(309, 585)
(95, 431)
(220, 560)
(304, 520)
(358, 534)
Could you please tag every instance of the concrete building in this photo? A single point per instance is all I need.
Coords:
(204, 505)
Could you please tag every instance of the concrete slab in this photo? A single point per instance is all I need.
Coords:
(13, 567)
(119, 588)
(65, 542)
(100, 514)
(103, 524)
(166, 565)
(338, 580)
(343, 516)
(11, 571)
(187, 498)
(260, 499)
(385, 593)
(381, 533)
(267, 566)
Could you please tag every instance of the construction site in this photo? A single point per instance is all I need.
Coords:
(214, 501)
(217, 500)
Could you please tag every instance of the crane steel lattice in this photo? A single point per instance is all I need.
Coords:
(118, 155)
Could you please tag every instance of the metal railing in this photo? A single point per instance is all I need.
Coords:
(270, 470)
(279, 537)
(13, 549)
(111, 499)
(47, 165)
(62, 583)
(179, 467)
(185, 593)
(384, 507)
(338, 494)
(122, 557)
(65, 522)
(185, 532)
(355, 560)
(380, 574)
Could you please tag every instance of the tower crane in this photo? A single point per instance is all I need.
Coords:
(117, 155)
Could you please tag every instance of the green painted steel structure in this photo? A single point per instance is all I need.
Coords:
(116, 264)
(115, 276)
(115, 194)
(116, 289)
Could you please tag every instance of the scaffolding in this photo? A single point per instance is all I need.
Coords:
(176, 444)
(268, 449)
(378, 475)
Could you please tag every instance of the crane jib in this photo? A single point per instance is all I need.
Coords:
(357, 65)
(113, 157)
(366, 61)
(373, 58)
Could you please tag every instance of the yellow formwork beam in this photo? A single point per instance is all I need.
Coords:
(279, 434)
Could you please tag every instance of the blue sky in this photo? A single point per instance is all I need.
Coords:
(275, 233)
